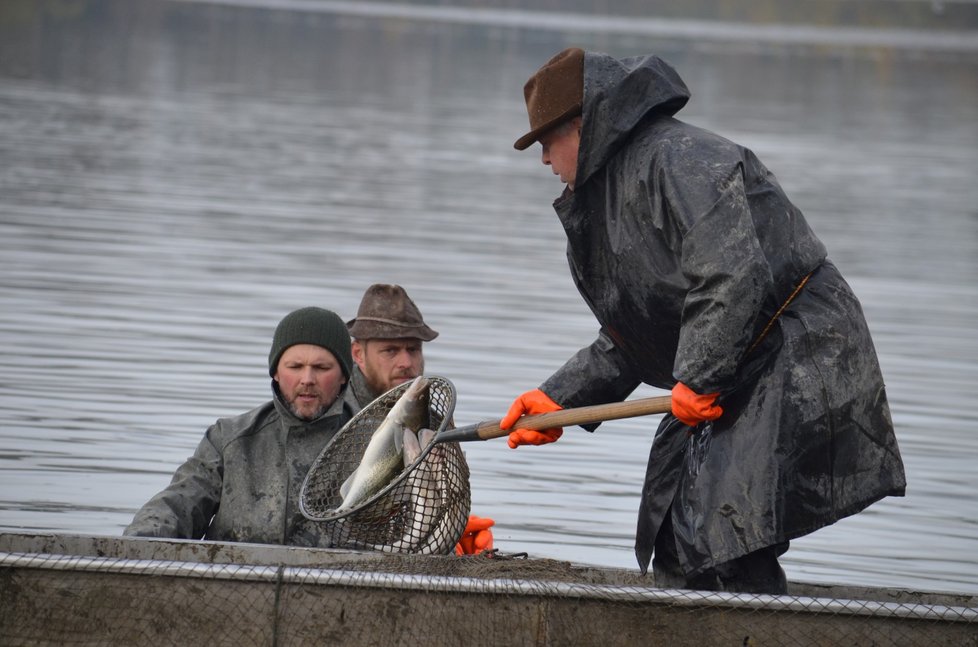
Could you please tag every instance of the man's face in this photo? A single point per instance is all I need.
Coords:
(560, 148)
(386, 363)
(309, 378)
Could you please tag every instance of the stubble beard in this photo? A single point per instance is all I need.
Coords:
(319, 411)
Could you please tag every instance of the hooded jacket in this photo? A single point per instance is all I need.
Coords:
(243, 481)
(684, 246)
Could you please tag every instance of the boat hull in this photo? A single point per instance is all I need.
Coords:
(86, 590)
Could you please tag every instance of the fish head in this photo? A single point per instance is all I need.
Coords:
(415, 401)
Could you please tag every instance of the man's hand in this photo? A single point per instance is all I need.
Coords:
(692, 408)
(530, 403)
(476, 538)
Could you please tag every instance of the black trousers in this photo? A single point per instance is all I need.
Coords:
(756, 572)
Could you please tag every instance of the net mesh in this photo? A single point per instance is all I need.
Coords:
(340, 598)
(422, 510)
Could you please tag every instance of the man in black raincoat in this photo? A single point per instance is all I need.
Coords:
(708, 281)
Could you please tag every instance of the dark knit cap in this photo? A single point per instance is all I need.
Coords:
(315, 326)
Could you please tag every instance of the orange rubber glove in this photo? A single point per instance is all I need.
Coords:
(692, 408)
(532, 403)
(476, 538)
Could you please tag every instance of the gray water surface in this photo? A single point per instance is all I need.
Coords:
(171, 186)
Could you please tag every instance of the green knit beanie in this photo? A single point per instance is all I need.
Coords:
(312, 326)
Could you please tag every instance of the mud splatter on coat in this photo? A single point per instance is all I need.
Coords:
(684, 246)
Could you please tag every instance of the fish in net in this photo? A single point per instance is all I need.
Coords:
(385, 483)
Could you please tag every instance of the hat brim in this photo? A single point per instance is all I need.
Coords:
(378, 330)
(533, 136)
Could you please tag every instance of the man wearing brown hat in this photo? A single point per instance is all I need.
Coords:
(388, 333)
(706, 280)
(243, 481)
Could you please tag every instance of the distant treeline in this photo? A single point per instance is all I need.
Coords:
(908, 14)
(945, 15)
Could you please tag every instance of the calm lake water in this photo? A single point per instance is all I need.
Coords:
(175, 179)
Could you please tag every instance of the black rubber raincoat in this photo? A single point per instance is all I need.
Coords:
(243, 481)
(684, 246)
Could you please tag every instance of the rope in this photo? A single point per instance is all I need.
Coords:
(777, 314)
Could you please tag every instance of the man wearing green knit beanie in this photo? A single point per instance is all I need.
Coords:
(310, 360)
(243, 481)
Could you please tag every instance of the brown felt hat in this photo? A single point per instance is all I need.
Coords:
(554, 94)
(387, 312)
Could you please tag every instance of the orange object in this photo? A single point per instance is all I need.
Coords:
(530, 437)
(530, 403)
(476, 538)
(692, 408)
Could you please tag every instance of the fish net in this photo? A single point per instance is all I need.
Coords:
(55, 590)
(422, 510)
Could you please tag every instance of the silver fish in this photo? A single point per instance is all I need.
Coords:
(425, 495)
(383, 459)
(413, 444)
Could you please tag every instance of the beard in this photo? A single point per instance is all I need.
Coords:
(307, 418)
(380, 383)
(304, 412)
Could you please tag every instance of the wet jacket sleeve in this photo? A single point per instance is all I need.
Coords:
(185, 508)
(726, 273)
(596, 374)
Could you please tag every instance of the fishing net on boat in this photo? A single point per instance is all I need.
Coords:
(137, 591)
(423, 509)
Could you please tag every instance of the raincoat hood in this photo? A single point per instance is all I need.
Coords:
(619, 94)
